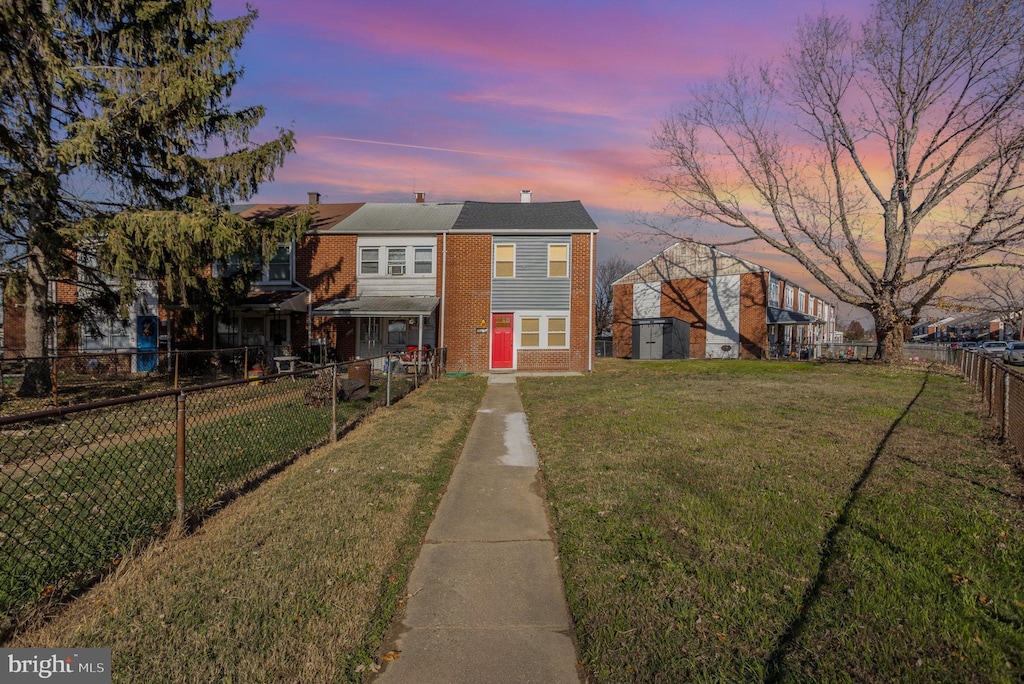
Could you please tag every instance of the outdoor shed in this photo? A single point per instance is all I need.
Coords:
(661, 338)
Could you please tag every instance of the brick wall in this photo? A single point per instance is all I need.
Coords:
(326, 264)
(468, 302)
(581, 319)
(753, 318)
(546, 360)
(622, 321)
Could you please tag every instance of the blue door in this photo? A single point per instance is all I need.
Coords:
(147, 336)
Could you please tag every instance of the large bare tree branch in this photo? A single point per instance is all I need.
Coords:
(884, 161)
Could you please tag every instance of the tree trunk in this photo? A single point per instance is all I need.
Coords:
(889, 333)
(37, 381)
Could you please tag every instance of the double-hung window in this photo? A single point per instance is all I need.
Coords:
(423, 263)
(504, 261)
(369, 261)
(396, 261)
(556, 332)
(530, 335)
(543, 332)
(558, 261)
(280, 267)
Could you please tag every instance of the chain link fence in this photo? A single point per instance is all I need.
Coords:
(93, 376)
(1002, 390)
(82, 486)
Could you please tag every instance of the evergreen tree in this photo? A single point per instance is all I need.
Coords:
(119, 154)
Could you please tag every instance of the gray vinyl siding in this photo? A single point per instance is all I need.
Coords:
(531, 288)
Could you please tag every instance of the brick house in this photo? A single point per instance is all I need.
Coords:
(735, 308)
(501, 286)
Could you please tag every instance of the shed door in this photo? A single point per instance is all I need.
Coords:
(501, 340)
(651, 340)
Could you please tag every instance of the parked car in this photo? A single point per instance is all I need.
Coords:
(993, 349)
(968, 345)
(1014, 353)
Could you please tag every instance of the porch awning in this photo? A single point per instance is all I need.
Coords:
(372, 307)
(272, 300)
(777, 316)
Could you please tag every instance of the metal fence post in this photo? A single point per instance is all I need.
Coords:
(1006, 406)
(179, 466)
(334, 403)
(389, 371)
(177, 355)
(53, 374)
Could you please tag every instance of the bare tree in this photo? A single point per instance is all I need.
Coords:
(884, 161)
(608, 271)
(999, 294)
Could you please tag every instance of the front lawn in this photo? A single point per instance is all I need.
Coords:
(745, 521)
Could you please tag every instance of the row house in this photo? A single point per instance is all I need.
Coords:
(501, 286)
(734, 308)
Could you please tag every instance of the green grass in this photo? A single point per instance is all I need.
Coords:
(101, 483)
(298, 580)
(782, 522)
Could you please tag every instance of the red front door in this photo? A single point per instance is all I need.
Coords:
(501, 340)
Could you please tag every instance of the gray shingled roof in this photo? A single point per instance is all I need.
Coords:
(500, 217)
(403, 217)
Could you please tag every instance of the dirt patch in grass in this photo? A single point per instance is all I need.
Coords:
(296, 581)
(734, 521)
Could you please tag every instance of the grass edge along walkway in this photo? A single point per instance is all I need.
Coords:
(296, 581)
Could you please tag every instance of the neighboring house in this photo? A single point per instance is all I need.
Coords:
(734, 308)
(501, 286)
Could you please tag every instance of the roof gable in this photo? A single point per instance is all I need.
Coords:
(689, 260)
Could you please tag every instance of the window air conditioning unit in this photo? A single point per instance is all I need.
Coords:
(396, 269)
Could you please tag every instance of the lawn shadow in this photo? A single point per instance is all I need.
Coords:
(775, 669)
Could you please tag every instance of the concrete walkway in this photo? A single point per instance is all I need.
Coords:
(486, 603)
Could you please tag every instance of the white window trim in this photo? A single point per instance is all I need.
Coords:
(544, 317)
(415, 261)
(494, 260)
(369, 249)
(567, 259)
(387, 268)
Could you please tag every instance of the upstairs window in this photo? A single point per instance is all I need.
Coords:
(423, 263)
(396, 261)
(504, 261)
(369, 261)
(280, 267)
(558, 261)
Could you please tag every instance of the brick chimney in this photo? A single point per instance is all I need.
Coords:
(421, 197)
(525, 196)
(314, 197)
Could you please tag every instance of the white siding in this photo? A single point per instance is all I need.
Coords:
(410, 284)
(723, 317)
(647, 300)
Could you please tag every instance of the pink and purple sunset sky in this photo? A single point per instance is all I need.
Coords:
(477, 100)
